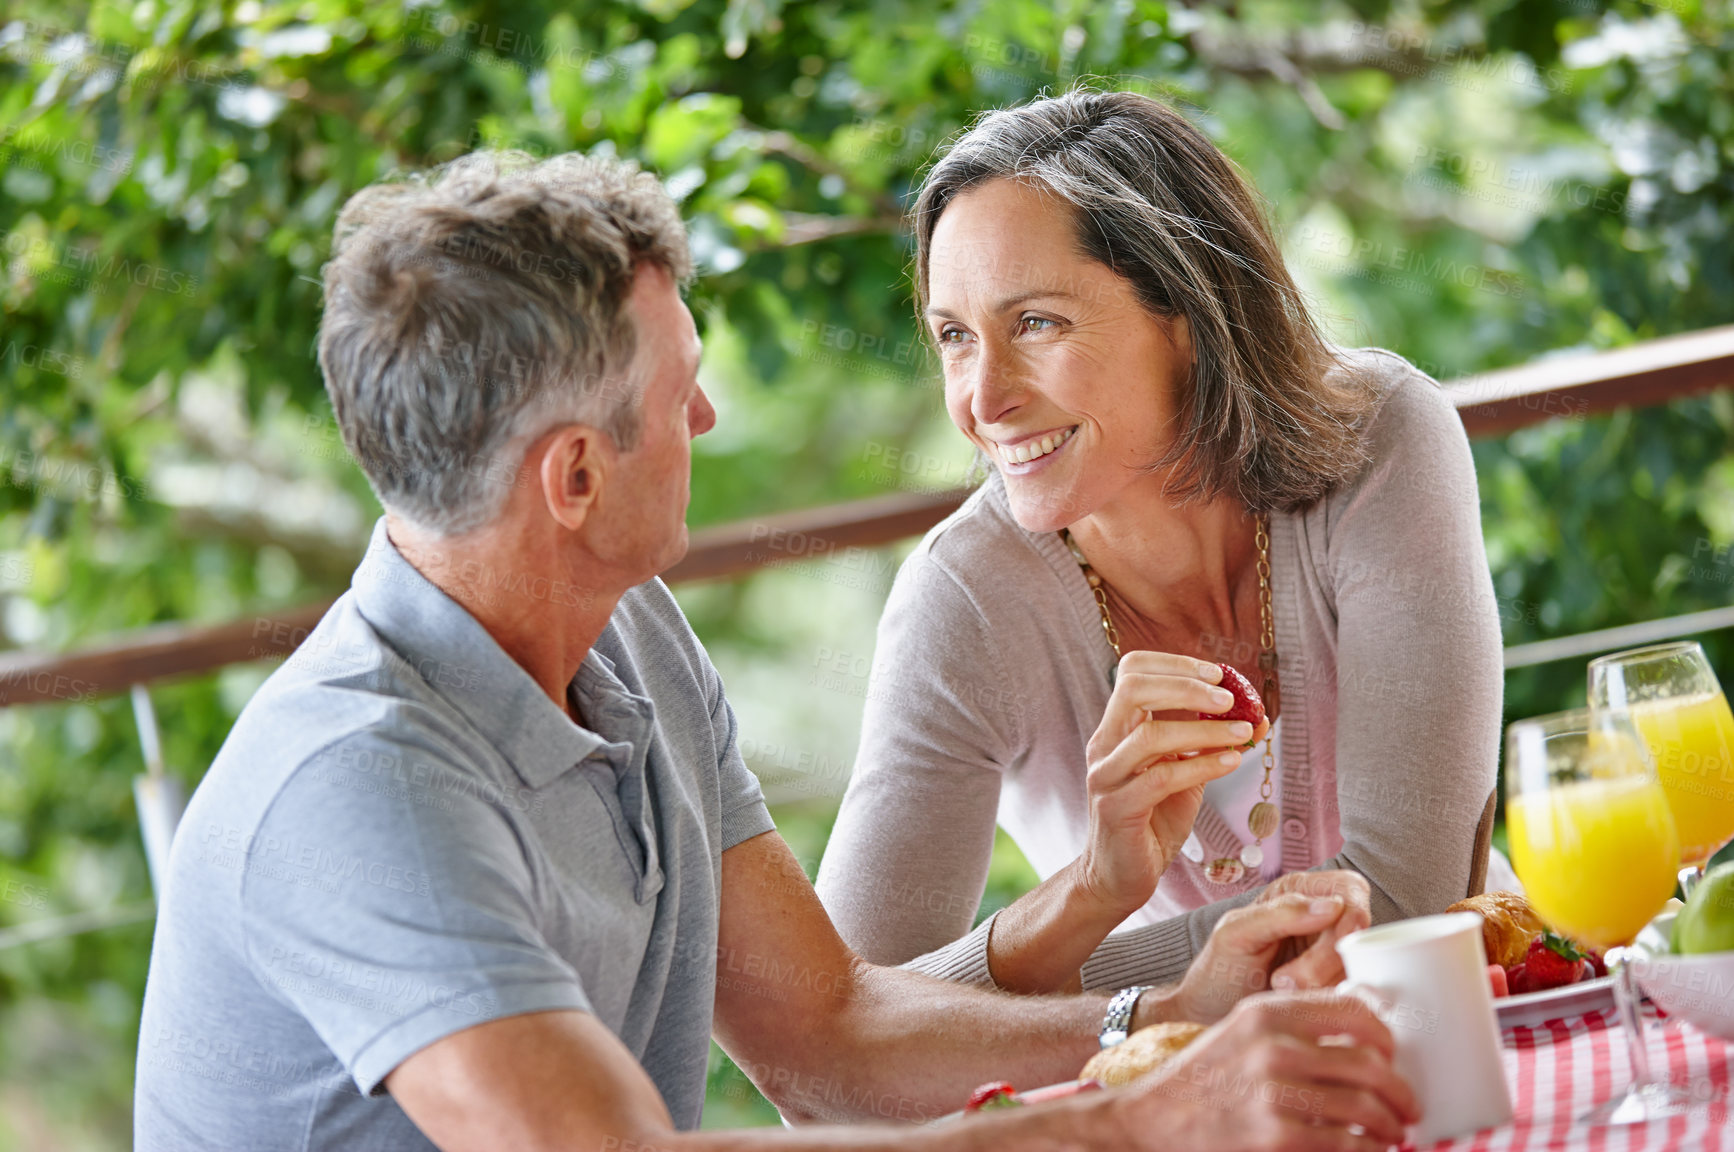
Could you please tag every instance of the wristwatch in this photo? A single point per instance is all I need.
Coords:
(1118, 1021)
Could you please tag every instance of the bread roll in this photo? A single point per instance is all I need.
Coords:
(1142, 1052)
(1508, 925)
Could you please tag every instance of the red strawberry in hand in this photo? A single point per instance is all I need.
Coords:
(1247, 706)
(998, 1094)
(1554, 962)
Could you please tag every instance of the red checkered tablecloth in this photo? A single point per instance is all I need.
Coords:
(1565, 1067)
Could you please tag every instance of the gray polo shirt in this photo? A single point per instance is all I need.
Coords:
(404, 837)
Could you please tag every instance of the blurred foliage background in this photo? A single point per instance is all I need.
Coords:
(1472, 183)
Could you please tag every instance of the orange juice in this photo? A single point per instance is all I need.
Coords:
(1598, 857)
(1691, 739)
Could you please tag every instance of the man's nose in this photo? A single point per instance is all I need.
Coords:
(702, 416)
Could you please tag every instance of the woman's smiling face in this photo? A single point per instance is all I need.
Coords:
(1052, 365)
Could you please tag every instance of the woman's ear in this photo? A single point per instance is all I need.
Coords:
(1180, 336)
(574, 465)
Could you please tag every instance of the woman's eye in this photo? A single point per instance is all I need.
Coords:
(951, 335)
(1034, 324)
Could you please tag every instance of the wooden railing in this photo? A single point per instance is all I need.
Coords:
(1491, 404)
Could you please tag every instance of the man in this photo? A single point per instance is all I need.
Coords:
(481, 867)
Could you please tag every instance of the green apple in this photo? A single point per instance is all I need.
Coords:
(1706, 923)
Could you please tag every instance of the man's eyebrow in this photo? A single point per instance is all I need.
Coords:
(1011, 301)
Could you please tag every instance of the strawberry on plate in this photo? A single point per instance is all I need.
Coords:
(1554, 962)
(1247, 705)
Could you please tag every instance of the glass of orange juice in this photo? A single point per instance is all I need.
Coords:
(1679, 709)
(1592, 836)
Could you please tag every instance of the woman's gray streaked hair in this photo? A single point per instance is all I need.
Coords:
(470, 309)
(1159, 204)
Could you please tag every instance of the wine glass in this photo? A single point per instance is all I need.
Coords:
(1679, 709)
(1593, 839)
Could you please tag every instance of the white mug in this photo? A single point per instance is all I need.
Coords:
(1429, 978)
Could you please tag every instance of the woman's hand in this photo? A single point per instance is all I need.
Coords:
(1311, 961)
(1285, 939)
(1148, 763)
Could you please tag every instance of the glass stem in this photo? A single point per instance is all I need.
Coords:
(1626, 1003)
(1689, 877)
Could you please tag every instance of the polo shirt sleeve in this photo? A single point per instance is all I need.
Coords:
(392, 918)
(744, 814)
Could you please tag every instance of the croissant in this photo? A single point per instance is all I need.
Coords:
(1142, 1052)
(1508, 925)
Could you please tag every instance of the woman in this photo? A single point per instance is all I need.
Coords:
(1120, 339)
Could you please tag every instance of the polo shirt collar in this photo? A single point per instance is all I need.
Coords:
(460, 661)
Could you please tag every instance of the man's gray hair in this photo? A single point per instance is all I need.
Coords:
(470, 309)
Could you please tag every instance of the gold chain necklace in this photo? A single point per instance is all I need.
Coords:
(1263, 818)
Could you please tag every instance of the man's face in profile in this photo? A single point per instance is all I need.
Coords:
(645, 505)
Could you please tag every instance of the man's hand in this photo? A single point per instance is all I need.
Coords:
(1286, 939)
(1282, 1071)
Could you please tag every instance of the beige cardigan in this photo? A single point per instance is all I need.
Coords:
(991, 673)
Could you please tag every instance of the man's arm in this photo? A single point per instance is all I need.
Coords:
(823, 1034)
(560, 1080)
(826, 1035)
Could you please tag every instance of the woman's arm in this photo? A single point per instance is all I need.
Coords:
(907, 859)
(1420, 676)
(1419, 681)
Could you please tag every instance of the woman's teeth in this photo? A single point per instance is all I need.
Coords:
(1034, 449)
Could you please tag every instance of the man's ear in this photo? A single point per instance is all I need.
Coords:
(574, 465)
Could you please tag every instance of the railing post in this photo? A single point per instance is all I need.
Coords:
(161, 798)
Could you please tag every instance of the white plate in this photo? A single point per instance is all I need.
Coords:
(1539, 1007)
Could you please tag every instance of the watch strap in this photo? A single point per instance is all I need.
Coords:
(1117, 1022)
